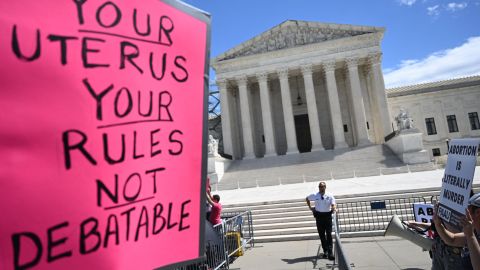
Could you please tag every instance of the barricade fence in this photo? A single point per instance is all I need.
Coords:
(362, 216)
(233, 236)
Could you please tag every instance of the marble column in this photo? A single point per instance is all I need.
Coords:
(376, 124)
(288, 112)
(380, 94)
(336, 114)
(266, 115)
(246, 118)
(226, 118)
(358, 104)
(312, 108)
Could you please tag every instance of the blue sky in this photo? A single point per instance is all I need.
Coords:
(425, 40)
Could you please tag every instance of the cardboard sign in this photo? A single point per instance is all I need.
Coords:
(457, 180)
(423, 212)
(102, 134)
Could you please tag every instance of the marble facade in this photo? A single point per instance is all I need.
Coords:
(437, 101)
(300, 87)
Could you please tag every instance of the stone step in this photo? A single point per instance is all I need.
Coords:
(291, 220)
(330, 164)
(306, 227)
(312, 236)
(390, 208)
(282, 219)
(425, 193)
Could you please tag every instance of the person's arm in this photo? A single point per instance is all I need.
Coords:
(308, 204)
(418, 225)
(472, 241)
(209, 199)
(451, 239)
(333, 206)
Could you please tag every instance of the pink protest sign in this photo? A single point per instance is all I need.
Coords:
(102, 127)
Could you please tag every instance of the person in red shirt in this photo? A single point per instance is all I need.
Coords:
(216, 211)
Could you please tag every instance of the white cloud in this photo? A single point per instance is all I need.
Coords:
(460, 61)
(455, 6)
(433, 10)
(407, 2)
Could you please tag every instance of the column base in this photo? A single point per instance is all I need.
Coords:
(292, 152)
(316, 148)
(272, 154)
(249, 156)
(364, 142)
(340, 145)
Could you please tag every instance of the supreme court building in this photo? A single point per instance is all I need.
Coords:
(301, 87)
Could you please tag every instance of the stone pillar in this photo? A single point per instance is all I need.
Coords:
(358, 105)
(380, 94)
(336, 114)
(246, 118)
(376, 124)
(266, 115)
(226, 118)
(288, 112)
(312, 108)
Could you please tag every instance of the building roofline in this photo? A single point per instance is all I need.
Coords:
(433, 86)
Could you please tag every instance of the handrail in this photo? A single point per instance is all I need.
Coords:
(341, 259)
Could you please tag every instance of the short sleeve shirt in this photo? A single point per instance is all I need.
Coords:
(215, 214)
(323, 202)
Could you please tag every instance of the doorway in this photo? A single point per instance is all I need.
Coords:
(302, 129)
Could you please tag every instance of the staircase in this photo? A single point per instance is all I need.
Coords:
(305, 167)
(292, 220)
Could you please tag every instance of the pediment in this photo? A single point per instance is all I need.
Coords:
(294, 33)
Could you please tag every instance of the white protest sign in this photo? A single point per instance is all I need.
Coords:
(423, 212)
(457, 180)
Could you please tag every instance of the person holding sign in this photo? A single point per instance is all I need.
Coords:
(324, 207)
(214, 201)
(469, 238)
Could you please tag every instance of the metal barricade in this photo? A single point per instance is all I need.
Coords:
(361, 216)
(236, 235)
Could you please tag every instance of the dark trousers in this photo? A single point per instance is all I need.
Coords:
(324, 228)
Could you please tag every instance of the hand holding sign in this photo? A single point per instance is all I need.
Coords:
(467, 224)
(457, 181)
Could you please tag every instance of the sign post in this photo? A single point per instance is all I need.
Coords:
(103, 134)
(457, 180)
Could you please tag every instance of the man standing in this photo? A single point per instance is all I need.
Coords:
(324, 207)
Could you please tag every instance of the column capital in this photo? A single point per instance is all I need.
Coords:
(374, 58)
(367, 69)
(262, 76)
(306, 69)
(282, 72)
(329, 66)
(242, 80)
(222, 83)
(352, 62)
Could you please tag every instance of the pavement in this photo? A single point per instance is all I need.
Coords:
(352, 186)
(363, 252)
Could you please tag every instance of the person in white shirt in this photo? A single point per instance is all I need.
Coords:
(324, 207)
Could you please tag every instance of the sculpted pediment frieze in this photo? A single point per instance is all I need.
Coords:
(291, 34)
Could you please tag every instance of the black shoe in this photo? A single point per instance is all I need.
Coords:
(331, 257)
(324, 256)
